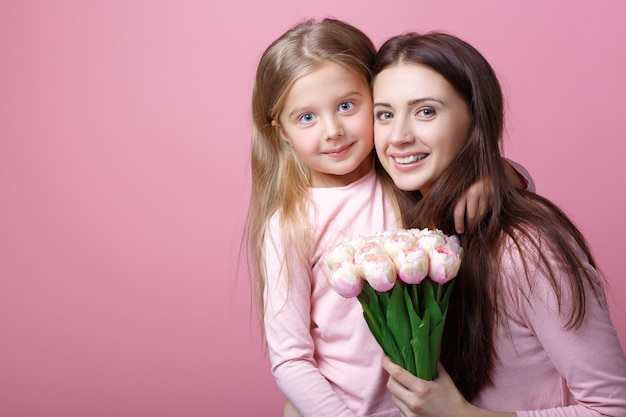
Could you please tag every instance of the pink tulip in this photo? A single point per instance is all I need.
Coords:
(371, 246)
(398, 240)
(429, 239)
(444, 264)
(412, 265)
(378, 269)
(454, 244)
(343, 252)
(346, 280)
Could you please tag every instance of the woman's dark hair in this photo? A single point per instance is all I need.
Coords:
(468, 351)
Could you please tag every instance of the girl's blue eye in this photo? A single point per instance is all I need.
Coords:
(346, 106)
(306, 118)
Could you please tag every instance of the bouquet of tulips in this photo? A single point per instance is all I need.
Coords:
(403, 280)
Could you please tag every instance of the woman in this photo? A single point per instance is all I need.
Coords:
(528, 332)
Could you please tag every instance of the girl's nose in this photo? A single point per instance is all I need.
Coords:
(333, 130)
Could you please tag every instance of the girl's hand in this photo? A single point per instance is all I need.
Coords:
(473, 205)
(289, 410)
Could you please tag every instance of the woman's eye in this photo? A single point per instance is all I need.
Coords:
(346, 106)
(383, 115)
(427, 113)
(306, 118)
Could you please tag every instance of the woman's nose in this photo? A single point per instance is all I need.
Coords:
(401, 134)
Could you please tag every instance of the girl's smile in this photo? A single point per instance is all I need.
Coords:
(339, 152)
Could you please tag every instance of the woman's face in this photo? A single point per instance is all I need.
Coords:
(421, 124)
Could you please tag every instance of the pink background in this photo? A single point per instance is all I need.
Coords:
(124, 146)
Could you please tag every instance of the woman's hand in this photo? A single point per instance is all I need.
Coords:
(473, 205)
(416, 397)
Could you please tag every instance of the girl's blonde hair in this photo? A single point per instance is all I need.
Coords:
(280, 181)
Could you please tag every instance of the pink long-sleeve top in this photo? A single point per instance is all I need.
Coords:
(327, 363)
(322, 354)
(544, 370)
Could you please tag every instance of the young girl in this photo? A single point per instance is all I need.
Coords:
(314, 185)
(528, 326)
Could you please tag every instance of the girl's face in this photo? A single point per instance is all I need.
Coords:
(420, 124)
(327, 118)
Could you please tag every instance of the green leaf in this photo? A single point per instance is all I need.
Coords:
(415, 297)
(390, 347)
(421, 349)
(409, 358)
(408, 323)
(398, 318)
(430, 303)
(372, 319)
(374, 311)
(443, 304)
(436, 333)
(368, 293)
(374, 301)
(414, 318)
(384, 300)
(445, 301)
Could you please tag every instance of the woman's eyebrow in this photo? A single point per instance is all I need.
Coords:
(411, 102)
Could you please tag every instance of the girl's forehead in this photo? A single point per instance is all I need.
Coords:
(326, 76)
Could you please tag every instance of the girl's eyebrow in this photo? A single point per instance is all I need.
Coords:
(297, 111)
(349, 94)
(345, 96)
